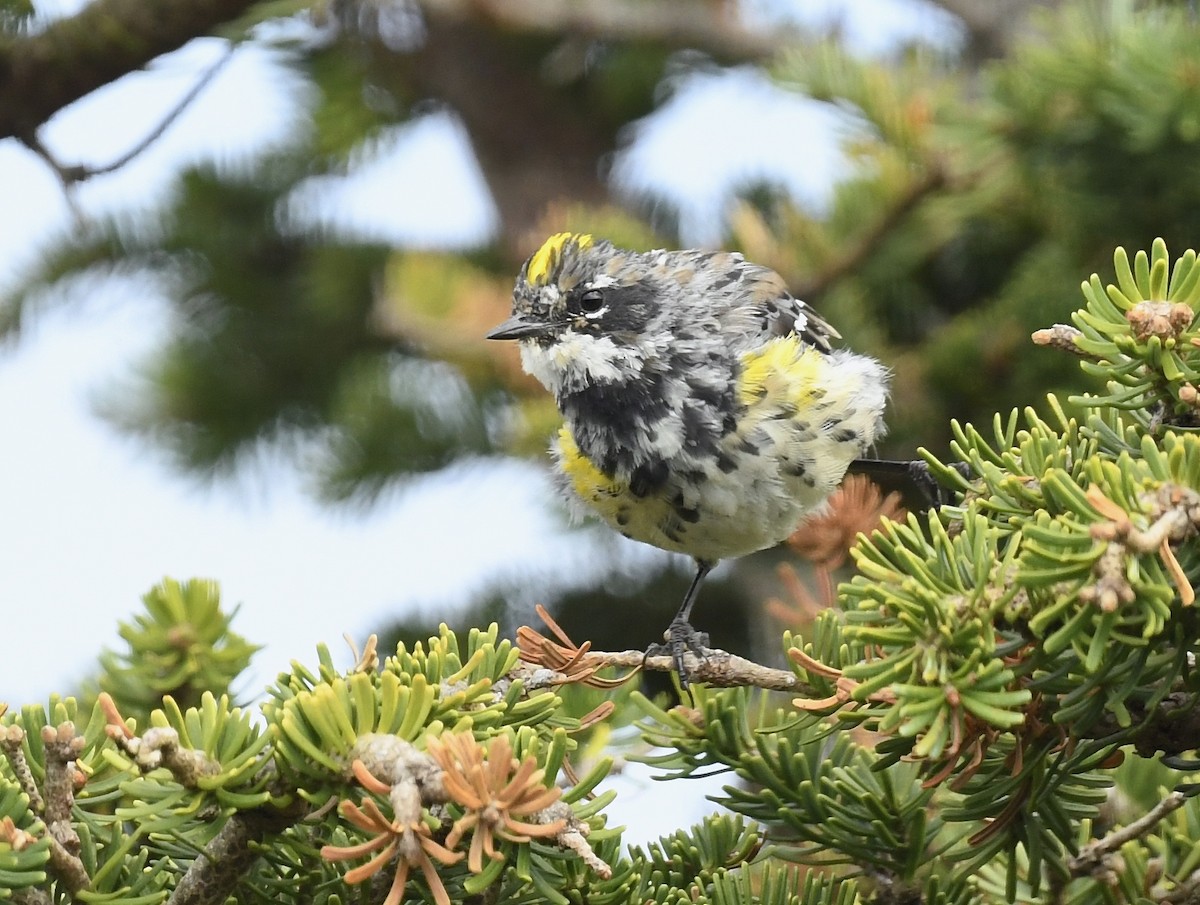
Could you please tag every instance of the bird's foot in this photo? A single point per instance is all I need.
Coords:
(679, 638)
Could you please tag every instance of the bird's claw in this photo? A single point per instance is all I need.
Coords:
(679, 638)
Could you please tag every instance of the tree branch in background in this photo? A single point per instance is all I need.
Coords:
(991, 27)
(1094, 855)
(935, 178)
(45, 72)
(535, 143)
(70, 174)
(505, 104)
(710, 27)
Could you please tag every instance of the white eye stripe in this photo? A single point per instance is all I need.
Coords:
(599, 312)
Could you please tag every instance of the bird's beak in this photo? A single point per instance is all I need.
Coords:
(518, 328)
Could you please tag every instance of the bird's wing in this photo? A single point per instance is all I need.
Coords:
(752, 304)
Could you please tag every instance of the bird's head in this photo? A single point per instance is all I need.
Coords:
(581, 312)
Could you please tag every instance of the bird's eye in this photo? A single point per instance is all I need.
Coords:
(591, 301)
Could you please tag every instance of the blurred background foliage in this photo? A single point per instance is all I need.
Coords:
(985, 180)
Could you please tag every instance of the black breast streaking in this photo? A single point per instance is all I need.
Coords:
(642, 429)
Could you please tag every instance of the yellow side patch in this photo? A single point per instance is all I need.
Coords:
(784, 369)
(589, 482)
(545, 259)
(642, 518)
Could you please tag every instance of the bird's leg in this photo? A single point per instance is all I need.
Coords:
(680, 636)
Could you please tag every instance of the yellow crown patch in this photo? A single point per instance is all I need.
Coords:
(545, 259)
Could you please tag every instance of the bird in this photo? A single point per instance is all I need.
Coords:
(705, 409)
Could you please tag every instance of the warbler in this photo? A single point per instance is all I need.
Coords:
(705, 410)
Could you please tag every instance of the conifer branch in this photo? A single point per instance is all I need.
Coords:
(216, 873)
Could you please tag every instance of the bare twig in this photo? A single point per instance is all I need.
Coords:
(1093, 857)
